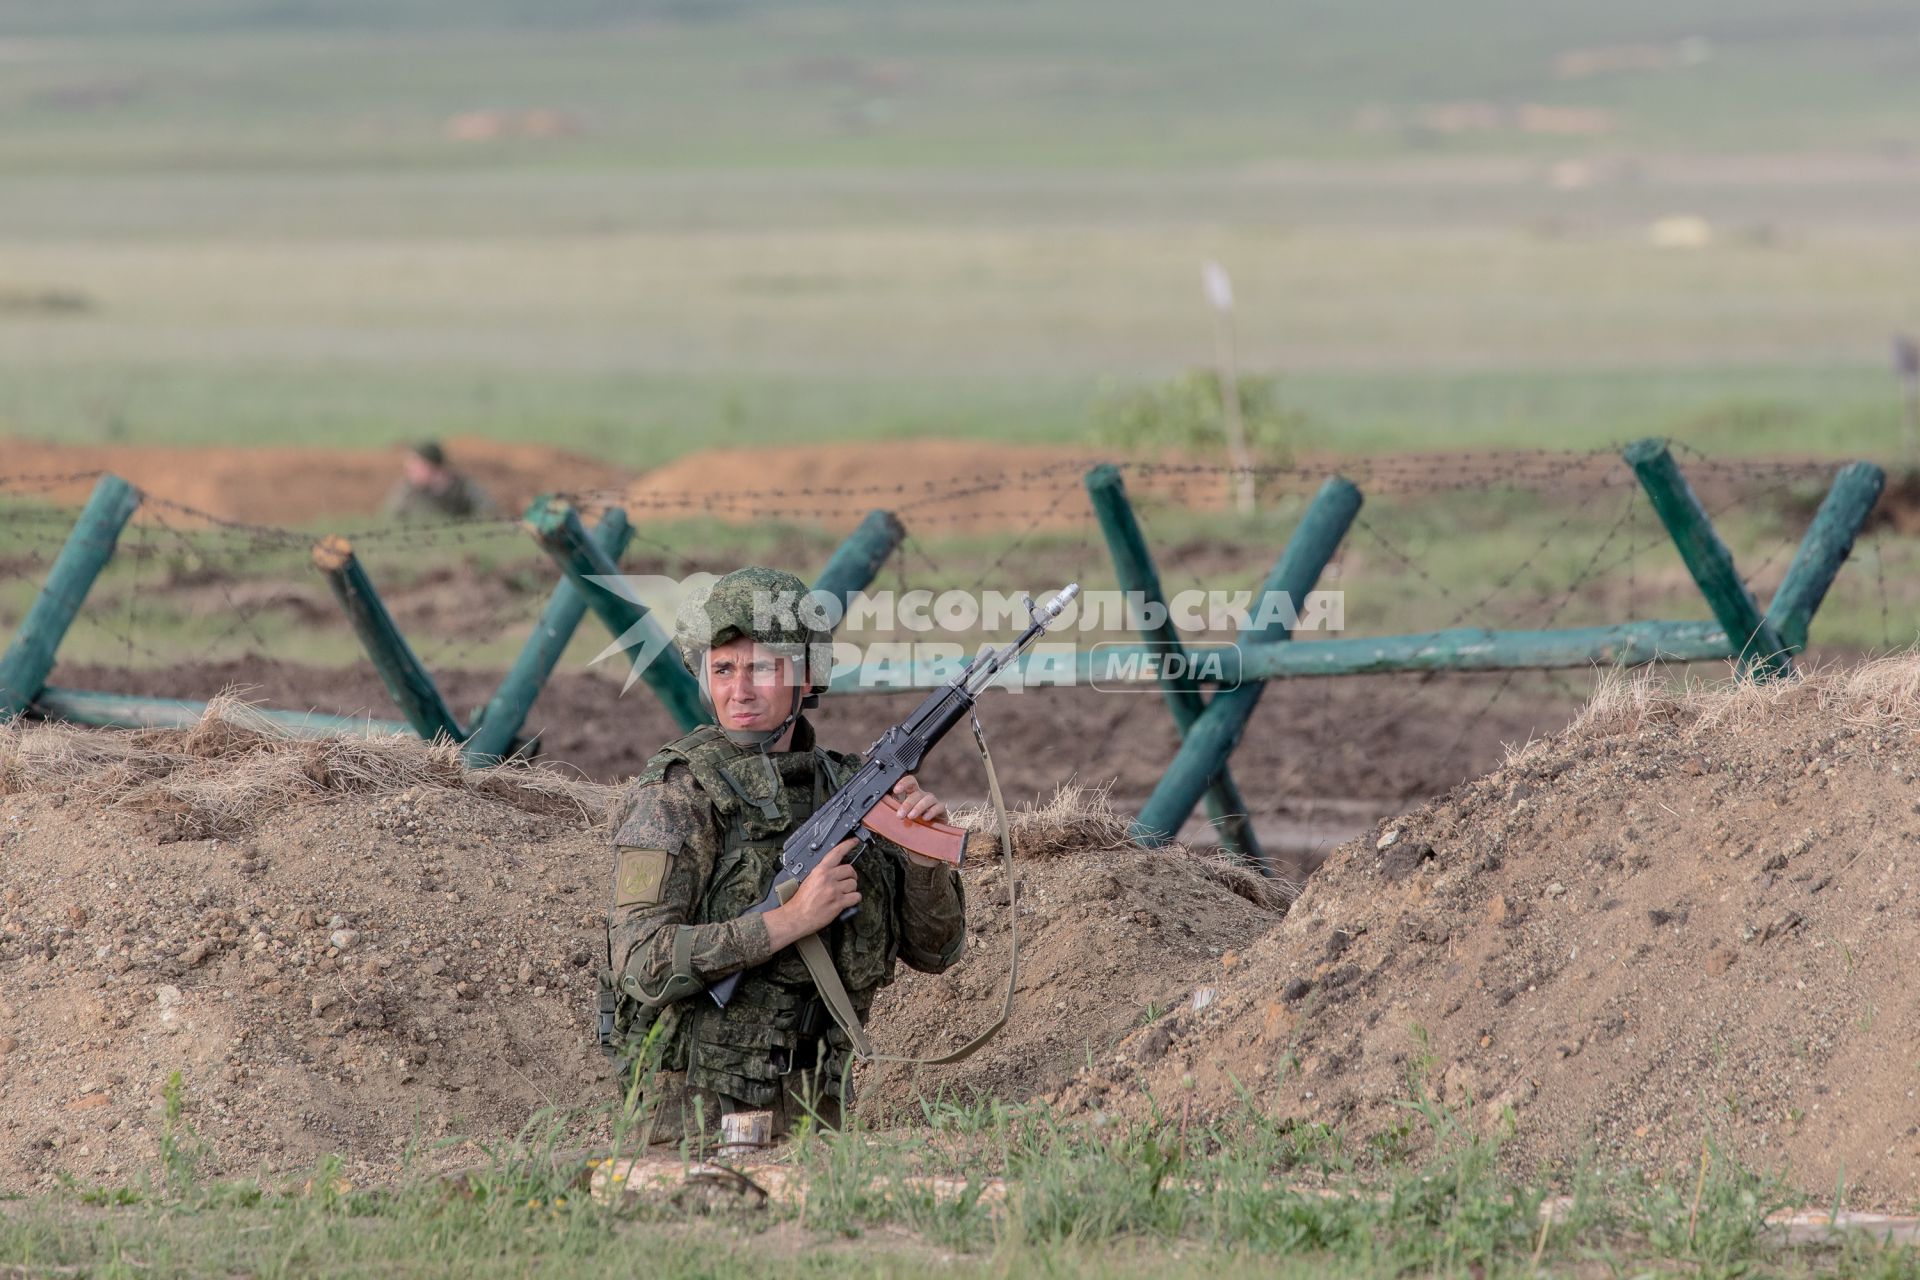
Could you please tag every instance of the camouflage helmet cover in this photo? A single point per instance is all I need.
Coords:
(771, 606)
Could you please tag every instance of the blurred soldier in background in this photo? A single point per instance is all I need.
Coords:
(429, 489)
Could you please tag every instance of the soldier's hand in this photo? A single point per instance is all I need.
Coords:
(920, 805)
(832, 888)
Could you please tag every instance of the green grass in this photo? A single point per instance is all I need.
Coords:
(640, 420)
(109, 84)
(1244, 1196)
(632, 420)
(853, 220)
(640, 345)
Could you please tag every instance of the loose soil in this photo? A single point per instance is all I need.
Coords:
(1690, 915)
(126, 961)
(352, 973)
(1686, 916)
(383, 952)
(1110, 934)
(286, 486)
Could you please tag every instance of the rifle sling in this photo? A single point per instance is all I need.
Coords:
(826, 980)
(833, 992)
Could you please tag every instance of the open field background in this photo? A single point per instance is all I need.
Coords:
(636, 231)
(617, 234)
(639, 229)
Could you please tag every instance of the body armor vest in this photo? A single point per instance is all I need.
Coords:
(774, 1021)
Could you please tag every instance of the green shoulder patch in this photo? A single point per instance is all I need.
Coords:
(640, 877)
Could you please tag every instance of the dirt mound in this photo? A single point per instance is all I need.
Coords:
(409, 962)
(1400, 739)
(226, 773)
(283, 486)
(381, 950)
(1111, 934)
(1693, 912)
(939, 487)
(974, 486)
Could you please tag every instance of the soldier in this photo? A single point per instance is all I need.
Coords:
(429, 489)
(697, 843)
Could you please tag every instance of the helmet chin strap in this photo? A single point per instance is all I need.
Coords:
(761, 740)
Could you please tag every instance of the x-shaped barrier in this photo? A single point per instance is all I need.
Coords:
(1760, 644)
(590, 580)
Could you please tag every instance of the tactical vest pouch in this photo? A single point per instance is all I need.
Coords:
(763, 809)
(732, 1051)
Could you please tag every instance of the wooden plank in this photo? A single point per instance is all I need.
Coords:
(556, 526)
(855, 562)
(1461, 649)
(1826, 546)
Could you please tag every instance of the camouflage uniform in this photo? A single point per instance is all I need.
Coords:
(698, 839)
(461, 499)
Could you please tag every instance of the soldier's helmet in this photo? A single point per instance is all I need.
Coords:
(770, 605)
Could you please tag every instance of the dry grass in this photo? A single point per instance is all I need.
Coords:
(1079, 821)
(1881, 693)
(234, 768)
(225, 774)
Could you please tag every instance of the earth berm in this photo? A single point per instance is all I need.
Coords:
(1691, 915)
(360, 948)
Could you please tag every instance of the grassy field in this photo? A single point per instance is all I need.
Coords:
(257, 221)
(1244, 1197)
(639, 347)
(1073, 83)
(641, 227)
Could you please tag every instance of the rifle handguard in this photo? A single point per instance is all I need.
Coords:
(936, 840)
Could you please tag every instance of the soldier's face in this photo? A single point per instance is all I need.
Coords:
(751, 686)
(421, 474)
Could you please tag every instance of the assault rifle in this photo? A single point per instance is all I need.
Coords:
(865, 807)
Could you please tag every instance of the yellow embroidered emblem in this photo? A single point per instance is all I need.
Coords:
(641, 877)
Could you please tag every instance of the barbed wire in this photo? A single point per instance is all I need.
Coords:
(1880, 581)
(956, 523)
(1560, 601)
(1633, 561)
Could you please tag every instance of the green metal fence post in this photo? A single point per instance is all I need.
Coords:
(1212, 737)
(855, 561)
(1138, 576)
(1760, 650)
(1828, 543)
(556, 525)
(491, 737)
(407, 681)
(1626, 644)
(29, 659)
